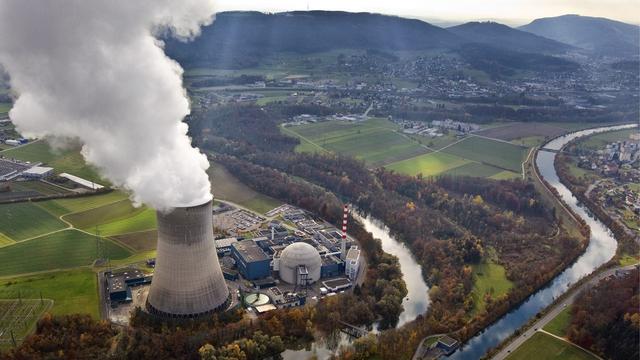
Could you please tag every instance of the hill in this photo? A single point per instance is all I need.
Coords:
(237, 39)
(503, 36)
(599, 35)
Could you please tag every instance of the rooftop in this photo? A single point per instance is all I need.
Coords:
(250, 251)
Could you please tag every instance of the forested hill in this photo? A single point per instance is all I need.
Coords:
(234, 36)
(243, 39)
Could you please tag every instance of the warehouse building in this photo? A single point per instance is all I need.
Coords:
(251, 260)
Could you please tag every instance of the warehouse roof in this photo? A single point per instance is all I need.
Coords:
(250, 251)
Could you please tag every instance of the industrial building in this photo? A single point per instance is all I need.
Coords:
(188, 280)
(38, 172)
(119, 283)
(251, 260)
(352, 263)
(300, 264)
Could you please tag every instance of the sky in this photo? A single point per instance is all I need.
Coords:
(511, 12)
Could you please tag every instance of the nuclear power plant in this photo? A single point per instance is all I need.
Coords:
(188, 281)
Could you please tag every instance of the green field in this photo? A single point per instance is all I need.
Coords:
(4, 108)
(474, 169)
(227, 187)
(61, 250)
(489, 277)
(138, 241)
(142, 221)
(69, 160)
(17, 221)
(428, 164)
(71, 291)
(506, 175)
(545, 347)
(496, 153)
(88, 219)
(38, 186)
(61, 207)
(560, 324)
(599, 141)
(5, 240)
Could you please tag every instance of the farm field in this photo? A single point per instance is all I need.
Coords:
(545, 347)
(37, 186)
(60, 250)
(17, 221)
(5, 240)
(18, 318)
(499, 154)
(141, 221)
(512, 131)
(70, 160)
(138, 241)
(229, 188)
(599, 141)
(428, 164)
(474, 169)
(72, 292)
(4, 108)
(489, 277)
(560, 324)
(505, 175)
(61, 207)
(89, 219)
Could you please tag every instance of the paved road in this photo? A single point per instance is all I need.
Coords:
(514, 344)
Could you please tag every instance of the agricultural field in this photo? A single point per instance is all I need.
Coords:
(499, 154)
(513, 131)
(18, 318)
(37, 186)
(17, 221)
(138, 241)
(599, 141)
(4, 109)
(491, 278)
(61, 250)
(61, 207)
(229, 188)
(68, 160)
(428, 165)
(545, 347)
(72, 292)
(474, 169)
(560, 324)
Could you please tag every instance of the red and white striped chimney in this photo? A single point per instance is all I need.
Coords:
(343, 245)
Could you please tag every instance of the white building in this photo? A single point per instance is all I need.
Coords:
(300, 264)
(38, 172)
(352, 263)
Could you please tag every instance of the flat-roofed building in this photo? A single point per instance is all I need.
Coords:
(352, 263)
(252, 262)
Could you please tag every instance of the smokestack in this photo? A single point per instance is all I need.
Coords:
(188, 280)
(343, 245)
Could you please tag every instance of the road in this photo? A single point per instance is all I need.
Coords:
(553, 312)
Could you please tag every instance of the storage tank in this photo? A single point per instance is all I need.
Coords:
(300, 264)
(188, 280)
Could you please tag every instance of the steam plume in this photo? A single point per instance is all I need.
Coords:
(93, 70)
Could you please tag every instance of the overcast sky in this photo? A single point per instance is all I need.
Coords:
(512, 12)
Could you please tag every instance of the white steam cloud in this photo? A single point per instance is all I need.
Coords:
(93, 70)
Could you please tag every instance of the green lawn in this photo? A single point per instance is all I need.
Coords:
(428, 164)
(67, 206)
(61, 250)
(474, 169)
(18, 221)
(560, 324)
(545, 347)
(489, 277)
(500, 154)
(69, 160)
(72, 291)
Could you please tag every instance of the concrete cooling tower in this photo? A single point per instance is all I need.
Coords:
(188, 280)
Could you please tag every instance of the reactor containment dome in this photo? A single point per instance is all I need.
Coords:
(300, 264)
(188, 281)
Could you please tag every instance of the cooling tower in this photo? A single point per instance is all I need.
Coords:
(188, 280)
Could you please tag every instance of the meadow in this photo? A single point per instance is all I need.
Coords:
(227, 187)
(491, 278)
(72, 292)
(499, 154)
(560, 324)
(545, 347)
(61, 207)
(17, 221)
(599, 141)
(428, 164)
(61, 250)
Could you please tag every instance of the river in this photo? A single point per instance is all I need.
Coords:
(415, 303)
(602, 247)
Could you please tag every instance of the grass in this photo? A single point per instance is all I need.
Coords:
(489, 277)
(61, 250)
(428, 164)
(68, 160)
(505, 175)
(545, 347)
(560, 324)
(25, 220)
(38, 186)
(496, 153)
(88, 219)
(627, 260)
(598, 141)
(5, 240)
(67, 206)
(4, 108)
(142, 221)
(72, 292)
(139, 241)
(227, 187)
(474, 169)
(530, 141)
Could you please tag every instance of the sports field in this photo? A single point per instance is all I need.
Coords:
(61, 250)
(489, 278)
(72, 292)
(542, 346)
(25, 220)
(499, 154)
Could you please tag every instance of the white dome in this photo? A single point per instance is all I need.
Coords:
(298, 254)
